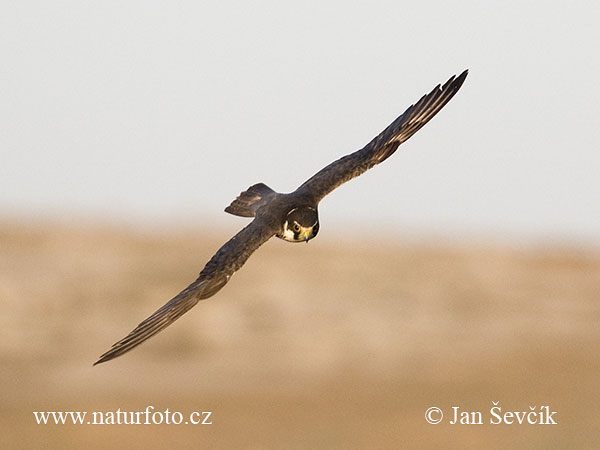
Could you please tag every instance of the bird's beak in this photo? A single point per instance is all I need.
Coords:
(307, 235)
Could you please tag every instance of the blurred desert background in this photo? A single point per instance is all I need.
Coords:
(332, 345)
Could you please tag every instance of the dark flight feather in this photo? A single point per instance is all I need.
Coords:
(213, 277)
(383, 145)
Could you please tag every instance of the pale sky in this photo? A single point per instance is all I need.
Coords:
(164, 111)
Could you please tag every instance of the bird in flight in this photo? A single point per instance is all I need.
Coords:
(292, 217)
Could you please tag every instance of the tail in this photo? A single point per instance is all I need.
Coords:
(248, 201)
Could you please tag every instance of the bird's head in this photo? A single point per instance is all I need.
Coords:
(300, 225)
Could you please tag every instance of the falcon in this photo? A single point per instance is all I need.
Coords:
(292, 217)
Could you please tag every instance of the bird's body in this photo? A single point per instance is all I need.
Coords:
(292, 217)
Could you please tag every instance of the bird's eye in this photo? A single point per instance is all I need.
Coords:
(296, 227)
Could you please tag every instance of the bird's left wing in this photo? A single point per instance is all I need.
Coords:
(213, 277)
(383, 145)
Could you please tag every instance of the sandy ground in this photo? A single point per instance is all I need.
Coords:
(328, 345)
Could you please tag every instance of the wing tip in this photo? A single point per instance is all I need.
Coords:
(108, 355)
(457, 81)
(102, 359)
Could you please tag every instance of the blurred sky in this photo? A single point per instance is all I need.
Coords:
(165, 111)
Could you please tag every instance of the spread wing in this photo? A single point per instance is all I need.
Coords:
(384, 145)
(213, 277)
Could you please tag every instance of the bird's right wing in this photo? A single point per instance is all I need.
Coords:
(213, 277)
(383, 145)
